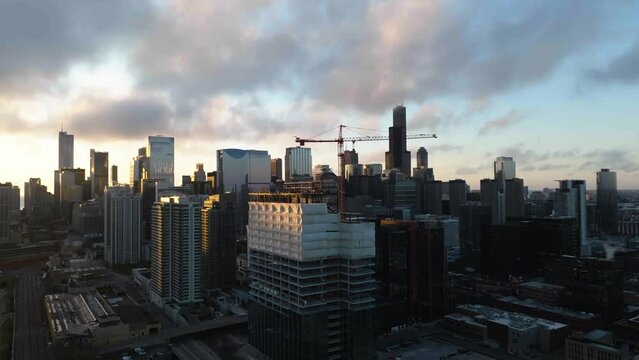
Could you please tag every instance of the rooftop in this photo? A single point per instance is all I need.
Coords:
(511, 319)
(549, 308)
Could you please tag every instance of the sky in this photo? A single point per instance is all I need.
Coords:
(554, 84)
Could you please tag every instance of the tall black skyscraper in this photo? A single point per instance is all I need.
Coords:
(607, 199)
(99, 172)
(422, 158)
(397, 157)
(218, 245)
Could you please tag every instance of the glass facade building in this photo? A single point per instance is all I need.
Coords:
(65, 150)
(298, 163)
(160, 150)
(607, 200)
(237, 168)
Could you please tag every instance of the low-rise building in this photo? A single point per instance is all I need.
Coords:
(577, 320)
(542, 292)
(518, 333)
(88, 315)
(595, 345)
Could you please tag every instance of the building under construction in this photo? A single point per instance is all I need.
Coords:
(312, 280)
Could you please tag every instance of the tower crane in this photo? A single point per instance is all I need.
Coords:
(340, 153)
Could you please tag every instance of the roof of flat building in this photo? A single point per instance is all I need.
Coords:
(549, 308)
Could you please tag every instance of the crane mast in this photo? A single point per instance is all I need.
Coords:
(340, 155)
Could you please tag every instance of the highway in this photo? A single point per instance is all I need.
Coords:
(166, 336)
(30, 332)
(194, 350)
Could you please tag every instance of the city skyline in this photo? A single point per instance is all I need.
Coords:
(561, 110)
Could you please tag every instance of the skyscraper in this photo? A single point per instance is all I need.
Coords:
(514, 194)
(199, 174)
(311, 290)
(504, 168)
(238, 168)
(298, 163)
(138, 170)
(9, 212)
(114, 175)
(492, 196)
(570, 200)
(405, 252)
(99, 172)
(65, 150)
(607, 199)
(474, 223)
(457, 196)
(38, 202)
(122, 225)
(276, 170)
(422, 158)
(218, 245)
(70, 183)
(351, 157)
(176, 250)
(160, 152)
(397, 157)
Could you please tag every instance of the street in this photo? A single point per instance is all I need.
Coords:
(30, 334)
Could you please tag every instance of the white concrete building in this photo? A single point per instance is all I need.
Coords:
(176, 241)
(122, 225)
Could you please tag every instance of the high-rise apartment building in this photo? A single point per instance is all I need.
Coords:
(276, 170)
(122, 225)
(238, 169)
(570, 201)
(607, 200)
(99, 172)
(38, 202)
(219, 263)
(412, 272)
(160, 151)
(311, 290)
(298, 163)
(9, 212)
(176, 250)
(397, 157)
(65, 150)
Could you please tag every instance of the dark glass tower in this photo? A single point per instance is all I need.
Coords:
(218, 245)
(607, 201)
(99, 172)
(422, 158)
(397, 157)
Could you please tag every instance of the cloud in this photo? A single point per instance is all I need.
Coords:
(366, 55)
(40, 40)
(499, 123)
(467, 170)
(445, 147)
(133, 117)
(621, 69)
(614, 159)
